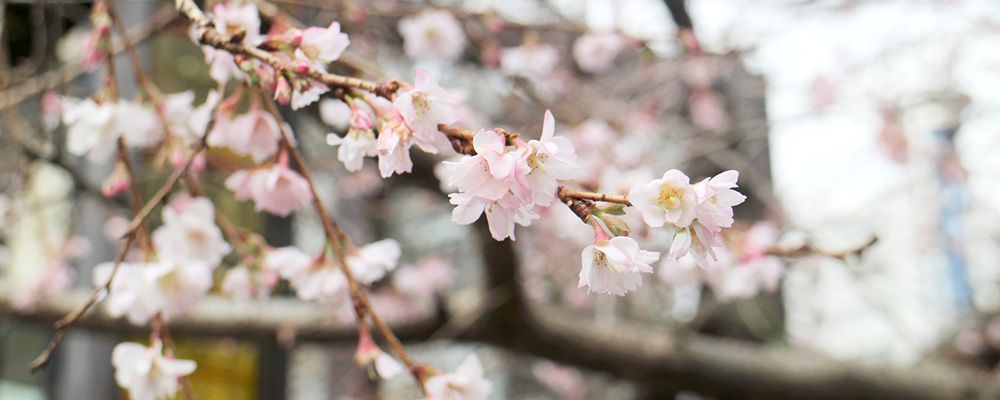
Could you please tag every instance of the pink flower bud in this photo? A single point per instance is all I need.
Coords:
(361, 119)
(302, 67)
(116, 183)
(282, 91)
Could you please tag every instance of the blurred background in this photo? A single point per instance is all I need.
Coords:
(864, 264)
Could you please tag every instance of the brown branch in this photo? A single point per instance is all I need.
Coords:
(218, 316)
(567, 194)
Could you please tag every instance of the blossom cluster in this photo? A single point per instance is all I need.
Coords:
(307, 49)
(509, 179)
(388, 129)
(189, 246)
(695, 213)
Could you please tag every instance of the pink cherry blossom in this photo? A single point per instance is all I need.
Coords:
(423, 107)
(432, 35)
(615, 266)
(240, 283)
(494, 171)
(394, 142)
(314, 279)
(231, 19)
(138, 124)
(141, 290)
(189, 233)
(359, 142)
(95, 49)
(288, 262)
(596, 52)
(669, 199)
(222, 66)
(371, 262)
(255, 133)
(146, 373)
(551, 159)
(184, 119)
(533, 60)
(466, 383)
(423, 280)
(306, 92)
(370, 356)
(324, 44)
(501, 214)
(91, 129)
(716, 199)
(277, 189)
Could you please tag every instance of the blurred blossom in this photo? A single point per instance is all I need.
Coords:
(425, 279)
(532, 60)
(432, 35)
(596, 52)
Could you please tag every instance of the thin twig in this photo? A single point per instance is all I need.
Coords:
(340, 242)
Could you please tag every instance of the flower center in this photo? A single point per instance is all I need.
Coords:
(601, 260)
(669, 198)
(536, 160)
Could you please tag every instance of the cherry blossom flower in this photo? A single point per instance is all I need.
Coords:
(494, 181)
(255, 133)
(615, 266)
(494, 171)
(277, 189)
(314, 279)
(466, 383)
(501, 214)
(324, 44)
(186, 121)
(394, 142)
(141, 290)
(324, 283)
(432, 35)
(716, 199)
(95, 48)
(669, 199)
(596, 52)
(189, 233)
(423, 107)
(307, 92)
(371, 262)
(139, 125)
(240, 283)
(146, 373)
(232, 19)
(288, 262)
(551, 159)
(359, 142)
(117, 182)
(423, 280)
(91, 128)
(532, 60)
(222, 65)
(376, 361)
